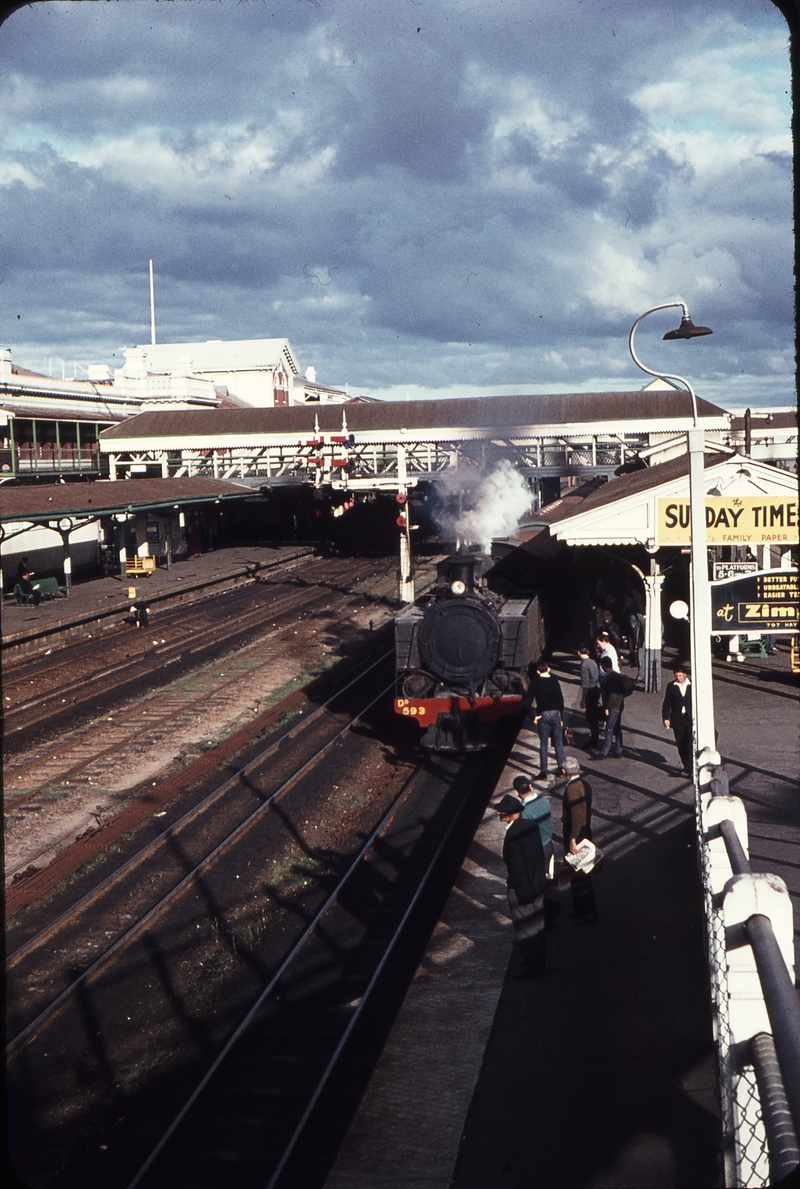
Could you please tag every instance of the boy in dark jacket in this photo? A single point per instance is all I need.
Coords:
(676, 712)
(545, 694)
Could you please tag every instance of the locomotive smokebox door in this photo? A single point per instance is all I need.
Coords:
(460, 642)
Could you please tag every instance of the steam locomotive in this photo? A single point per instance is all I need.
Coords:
(462, 655)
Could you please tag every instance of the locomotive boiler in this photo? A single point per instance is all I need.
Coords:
(462, 656)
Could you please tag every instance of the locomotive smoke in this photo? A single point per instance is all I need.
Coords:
(491, 505)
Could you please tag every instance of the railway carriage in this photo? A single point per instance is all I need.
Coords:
(462, 656)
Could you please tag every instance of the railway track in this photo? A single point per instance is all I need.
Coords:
(56, 760)
(111, 913)
(78, 779)
(128, 1014)
(226, 620)
(275, 1101)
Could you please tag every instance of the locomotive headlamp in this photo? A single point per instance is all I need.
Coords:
(458, 587)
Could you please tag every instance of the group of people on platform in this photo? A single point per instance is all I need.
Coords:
(626, 633)
(528, 845)
(530, 860)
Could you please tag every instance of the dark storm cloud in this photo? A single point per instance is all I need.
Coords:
(431, 193)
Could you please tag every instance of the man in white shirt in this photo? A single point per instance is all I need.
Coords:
(606, 648)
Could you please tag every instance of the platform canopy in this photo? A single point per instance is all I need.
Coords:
(747, 503)
(77, 501)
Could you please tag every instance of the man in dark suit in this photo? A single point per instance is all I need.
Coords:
(524, 858)
(676, 712)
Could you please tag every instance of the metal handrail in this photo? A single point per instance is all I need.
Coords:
(740, 864)
(783, 1006)
(784, 1151)
(777, 1061)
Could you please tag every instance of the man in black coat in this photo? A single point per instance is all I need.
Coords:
(523, 854)
(676, 712)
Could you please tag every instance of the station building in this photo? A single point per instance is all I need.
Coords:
(49, 427)
(633, 532)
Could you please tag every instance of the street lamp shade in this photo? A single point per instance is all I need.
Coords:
(688, 330)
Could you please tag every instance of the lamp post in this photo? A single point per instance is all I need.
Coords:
(700, 607)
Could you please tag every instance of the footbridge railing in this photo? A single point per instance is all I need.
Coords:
(750, 934)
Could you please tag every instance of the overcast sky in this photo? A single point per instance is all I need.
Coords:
(424, 196)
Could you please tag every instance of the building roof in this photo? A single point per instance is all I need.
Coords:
(24, 371)
(104, 498)
(56, 413)
(221, 355)
(767, 420)
(625, 510)
(634, 483)
(522, 415)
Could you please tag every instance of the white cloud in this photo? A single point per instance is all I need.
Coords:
(13, 171)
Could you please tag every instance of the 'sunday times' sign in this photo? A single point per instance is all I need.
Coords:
(763, 602)
(732, 520)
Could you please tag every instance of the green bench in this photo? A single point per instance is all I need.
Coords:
(48, 589)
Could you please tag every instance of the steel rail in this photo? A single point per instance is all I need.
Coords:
(186, 819)
(296, 948)
(289, 601)
(131, 933)
(740, 864)
(776, 1058)
(783, 1005)
(329, 1069)
(145, 705)
(784, 1151)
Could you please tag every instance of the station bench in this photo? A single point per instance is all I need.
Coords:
(48, 589)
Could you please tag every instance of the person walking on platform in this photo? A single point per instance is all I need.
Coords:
(610, 626)
(614, 704)
(523, 855)
(576, 825)
(676, 712)
(545, 693)
(606, 648)
(590, 695)
(536, 808)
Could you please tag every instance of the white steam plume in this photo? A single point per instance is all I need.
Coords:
(490, 505)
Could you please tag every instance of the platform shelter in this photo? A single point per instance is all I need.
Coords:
(751, 512)
(61, 525)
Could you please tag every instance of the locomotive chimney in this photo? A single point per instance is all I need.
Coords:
(458, 568)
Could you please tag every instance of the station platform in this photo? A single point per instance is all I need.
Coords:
(601, 1072)
(106, 597)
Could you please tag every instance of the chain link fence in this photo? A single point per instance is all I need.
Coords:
(759, 1144)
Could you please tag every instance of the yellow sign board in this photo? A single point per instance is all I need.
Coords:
(732, 520)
